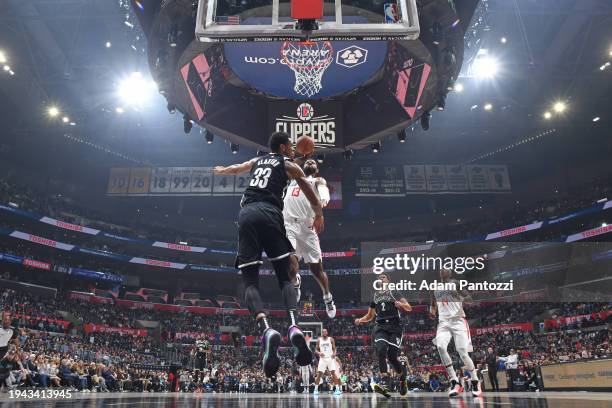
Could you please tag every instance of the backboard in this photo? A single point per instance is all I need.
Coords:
(270, 20)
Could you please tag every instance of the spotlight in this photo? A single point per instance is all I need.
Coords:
(208, 136)
(348, 154)
(547, 115)
(425, 119)
(172, 35)
(376, 147)
(441, 104)
(108, 44)
(234, 147)
(53, 111)
(485, 67)
(65, 119)
(560, 107)
(171, 108)
(488, 107)
(7, 68)
(119, 110)
(135, 90)
(2, 58)
(12, 73)
(504, 40)
(320, 158)
(187, 124)
(459, 87)
(596, 119)
(401, 136)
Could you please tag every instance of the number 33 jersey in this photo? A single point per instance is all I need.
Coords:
(268, 181)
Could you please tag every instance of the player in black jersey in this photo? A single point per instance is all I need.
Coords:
(261, 227)
(385, 307)
(200, 355)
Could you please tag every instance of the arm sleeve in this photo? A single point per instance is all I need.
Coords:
(372, 305)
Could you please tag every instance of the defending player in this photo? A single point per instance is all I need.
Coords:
(298, 215)
(305, 371)
(448, 305)
(385, 308)
(200, 354)
(326, 350)
(261, 227)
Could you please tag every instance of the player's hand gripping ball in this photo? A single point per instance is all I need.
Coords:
(305, 145)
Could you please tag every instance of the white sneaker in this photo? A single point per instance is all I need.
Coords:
(455, 389)
(330, 307)
(476, 391)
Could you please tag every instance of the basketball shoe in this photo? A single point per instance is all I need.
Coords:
(476, 391)
(271, 361)
(455, 389)
(301, 352)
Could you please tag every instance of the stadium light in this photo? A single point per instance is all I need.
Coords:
(108, 44)
(65, 119)
(459, 87)
(7, 68)
(596, 119)
(119, 110)
(504, 40)
(3, 58)
(559, 107)
(488, 107)
(376, 147)
(53, 111)
(547, 115)
(485, 66)
(135, 90)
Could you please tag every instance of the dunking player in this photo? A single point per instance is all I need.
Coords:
(326, 350)
(448, 305)
(200, 354)
(298, 216)
(261, 227)
(385, 307)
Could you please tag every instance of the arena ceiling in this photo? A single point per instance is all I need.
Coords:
(57, 49)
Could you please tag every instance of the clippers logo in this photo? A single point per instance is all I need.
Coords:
(305, 112)
(351, 56)
(321, 128)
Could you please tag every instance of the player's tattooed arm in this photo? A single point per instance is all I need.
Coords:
(295, 172)
(240, 168)
(433, 307)
(367, 318)
(323, 191)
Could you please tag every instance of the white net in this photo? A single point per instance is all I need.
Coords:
(308, 60)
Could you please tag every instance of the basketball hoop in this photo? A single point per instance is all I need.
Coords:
(308, 60)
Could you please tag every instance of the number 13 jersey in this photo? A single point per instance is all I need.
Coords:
(268, 181)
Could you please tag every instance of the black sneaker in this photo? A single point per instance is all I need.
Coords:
(383, 390)
(301, 352)
(403, 389)
(271, 342)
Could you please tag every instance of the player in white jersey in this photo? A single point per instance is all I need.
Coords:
(299, 217)
(326, 350)
(448, 305)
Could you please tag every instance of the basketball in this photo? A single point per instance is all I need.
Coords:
(305, 145)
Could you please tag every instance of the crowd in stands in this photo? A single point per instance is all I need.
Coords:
(51, 356)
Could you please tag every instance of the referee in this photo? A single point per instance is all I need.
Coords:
(491, 360)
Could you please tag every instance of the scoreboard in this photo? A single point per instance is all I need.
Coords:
(165, 181)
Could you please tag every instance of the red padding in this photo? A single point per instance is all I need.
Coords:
(306, 9)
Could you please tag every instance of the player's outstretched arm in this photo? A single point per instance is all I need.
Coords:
(403, 305)
(433, 307)
(236, 168)
(367, 318)
(323, 191)
(294, 172)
